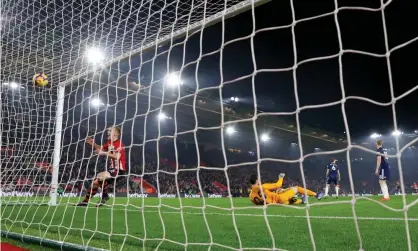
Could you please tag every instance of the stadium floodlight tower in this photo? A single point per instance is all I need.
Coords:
(265, 137)
(14, 85)
(162, 116)
(230, 130)
(235, 99)
(106, 42)
(95, 102)
(375, 135)
(94, 57)
(397, 133)
(173, 79)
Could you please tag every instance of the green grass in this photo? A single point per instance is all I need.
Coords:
(124, 226)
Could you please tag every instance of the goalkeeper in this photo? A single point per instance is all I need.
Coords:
(274, 193)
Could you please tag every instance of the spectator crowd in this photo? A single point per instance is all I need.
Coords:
(189, 169)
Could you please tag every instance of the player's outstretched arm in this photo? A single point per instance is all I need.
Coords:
(274, 186)
(91, 142)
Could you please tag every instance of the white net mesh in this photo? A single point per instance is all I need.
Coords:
(159, 72)
(55, 35)
(28, 118)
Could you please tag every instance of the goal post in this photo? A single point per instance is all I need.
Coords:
(66, 66)
(180, 125)
(27, 132)
(57, 145)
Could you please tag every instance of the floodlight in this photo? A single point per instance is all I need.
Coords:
(161, 116)
(230, 130)
(397, 133)
(375, 135)
(265, 137)
(94, 55)
(13, 85)
(236, 99)
(173, 79)
(96, 102)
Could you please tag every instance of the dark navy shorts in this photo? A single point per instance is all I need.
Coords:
(384, 174)
(332, 180)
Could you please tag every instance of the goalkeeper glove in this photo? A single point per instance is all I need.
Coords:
(281, 175)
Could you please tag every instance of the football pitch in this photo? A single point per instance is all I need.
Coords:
(123, 225)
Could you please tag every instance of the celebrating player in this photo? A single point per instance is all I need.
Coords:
(333, 177)
(114, 150)
(382, 169)
(274, 194)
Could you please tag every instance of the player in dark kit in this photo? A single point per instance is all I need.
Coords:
(60, 191)
(382, 169)
(114, 150)
(398, 188)
(333, 177)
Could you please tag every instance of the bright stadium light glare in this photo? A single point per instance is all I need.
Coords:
(95, 55)
(96, 102)
(172, 79)
(236, 99)
(397, 133)
(13, 85)
(375, 135)
(264, 137)
(230, 130)
(161, 116)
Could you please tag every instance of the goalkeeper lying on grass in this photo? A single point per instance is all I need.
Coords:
(274, 193)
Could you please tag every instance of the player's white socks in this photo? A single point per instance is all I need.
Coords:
(326, 190)
(384, 188)
(337, 189)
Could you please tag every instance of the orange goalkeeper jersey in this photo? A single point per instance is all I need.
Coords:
(269, 193)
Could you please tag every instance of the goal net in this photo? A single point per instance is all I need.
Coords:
(206, 94)
(27, 126)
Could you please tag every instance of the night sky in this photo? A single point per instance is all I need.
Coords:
(318, 81)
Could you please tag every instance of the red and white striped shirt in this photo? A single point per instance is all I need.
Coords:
(116, 147)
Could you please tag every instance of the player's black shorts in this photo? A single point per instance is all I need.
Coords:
(384, 174)
(116, 175)
(332, 180)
